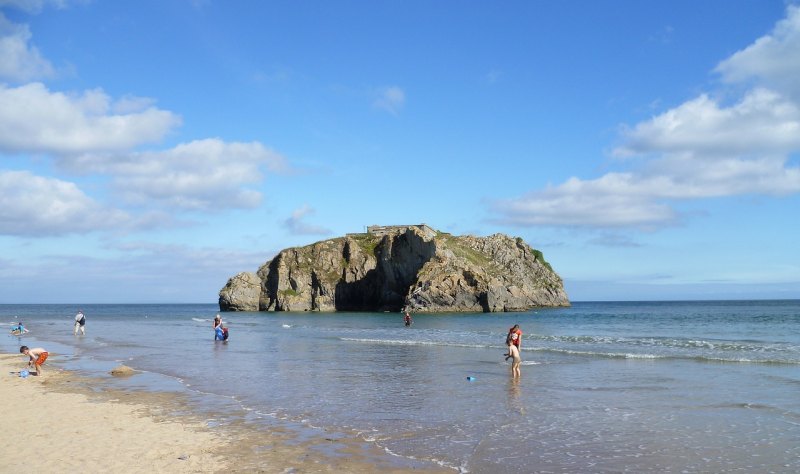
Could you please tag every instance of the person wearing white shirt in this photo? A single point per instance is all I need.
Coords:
(80, 323)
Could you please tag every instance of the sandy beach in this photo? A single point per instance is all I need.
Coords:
(61, 422)
(48, 429)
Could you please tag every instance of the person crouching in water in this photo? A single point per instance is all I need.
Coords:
(18, 330)
(37, 357)
(220, 332)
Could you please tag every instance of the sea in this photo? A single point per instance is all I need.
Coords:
(695, 386)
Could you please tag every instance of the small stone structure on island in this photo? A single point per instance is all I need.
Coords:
(402, 267)
(381, 230)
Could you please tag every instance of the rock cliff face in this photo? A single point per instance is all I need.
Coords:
(411, 269)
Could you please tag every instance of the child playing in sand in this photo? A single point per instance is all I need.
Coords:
(37, 356)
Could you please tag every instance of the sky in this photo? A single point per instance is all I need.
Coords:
(152, 149)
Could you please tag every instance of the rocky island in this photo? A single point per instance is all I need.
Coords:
(394, 268)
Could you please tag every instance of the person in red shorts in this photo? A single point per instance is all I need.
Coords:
(37, 356)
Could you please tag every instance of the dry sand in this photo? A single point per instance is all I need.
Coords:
(61, 423)
(48, 431)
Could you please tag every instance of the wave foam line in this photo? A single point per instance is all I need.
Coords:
(571, 352)
(406, 342)
(720, 345)
(621, 355)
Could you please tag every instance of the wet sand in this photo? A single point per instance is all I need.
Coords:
(62, 422)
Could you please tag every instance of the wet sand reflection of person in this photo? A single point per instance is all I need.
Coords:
(514, 393)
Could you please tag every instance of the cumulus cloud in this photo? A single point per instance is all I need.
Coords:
(699, 149)
(772, 60)
(205, 174)
(32, 205)
(19, 60)
(614, 200)
(391, 99)
(89, 133)
(762, 122)
(34, 119)
(296, 223)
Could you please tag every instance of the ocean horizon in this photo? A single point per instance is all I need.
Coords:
(608, 386)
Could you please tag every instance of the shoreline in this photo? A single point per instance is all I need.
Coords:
(64, 422)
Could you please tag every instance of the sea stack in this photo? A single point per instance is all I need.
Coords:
(393, 268)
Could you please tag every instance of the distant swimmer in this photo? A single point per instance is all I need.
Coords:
(407, 319)
(80, 323)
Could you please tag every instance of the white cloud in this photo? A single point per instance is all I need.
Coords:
(772, 60)
(34, 119)
(37, 206)
(205, 174)
(698, 154)
(762, 122)
(700, 149)
(391, 99)
(19, 61)
(130, 104)
(615, 200)
(298, 226)
(33, 6)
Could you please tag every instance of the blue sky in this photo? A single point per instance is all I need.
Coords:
(150, 150)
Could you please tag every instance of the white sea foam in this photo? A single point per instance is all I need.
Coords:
(413, 342)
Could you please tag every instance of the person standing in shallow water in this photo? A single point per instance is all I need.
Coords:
(514, 337)
(80, 323)
(514, 340)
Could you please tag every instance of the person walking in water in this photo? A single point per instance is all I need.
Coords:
(80, 323)
(407, 319)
